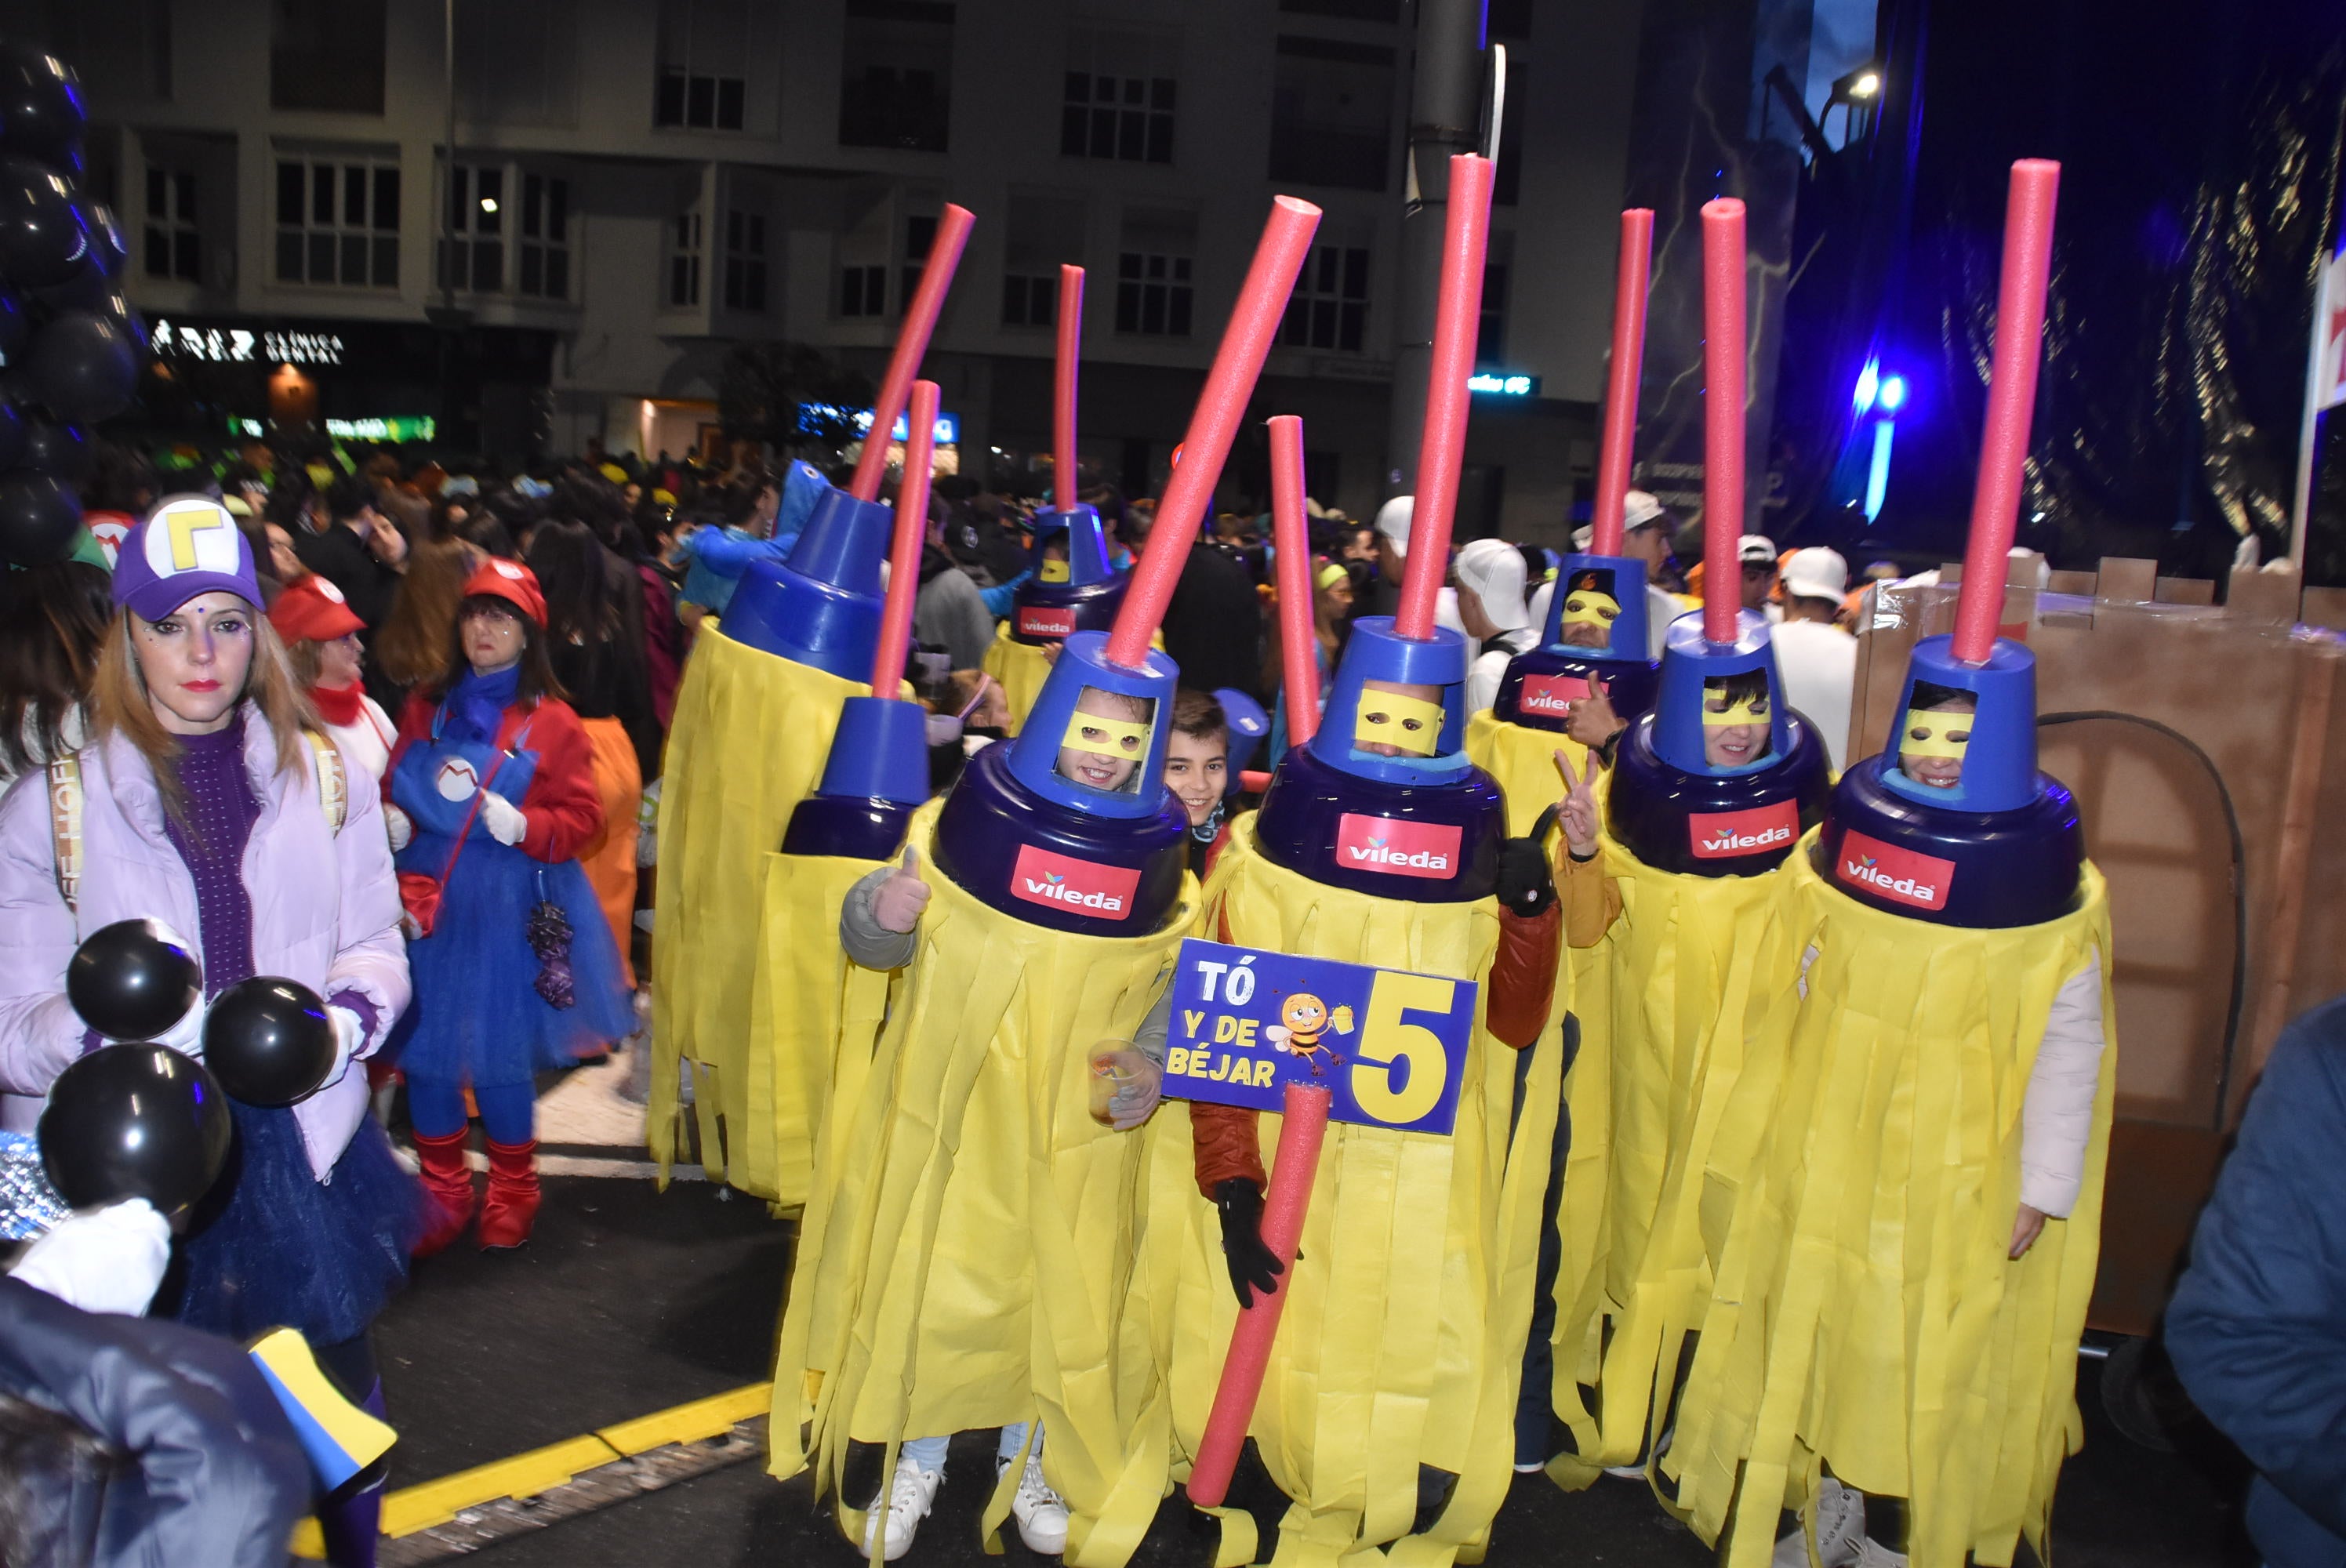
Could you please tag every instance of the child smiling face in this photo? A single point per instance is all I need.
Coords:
(1104, 756)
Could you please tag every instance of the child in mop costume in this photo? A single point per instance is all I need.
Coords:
(962, 1258)
(1387, 1411)
(1907, 1267)
(761, 696)
(1706, 798)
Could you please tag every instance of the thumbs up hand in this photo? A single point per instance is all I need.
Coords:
(898, 904)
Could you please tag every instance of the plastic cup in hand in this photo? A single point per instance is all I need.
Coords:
(1117, 1070)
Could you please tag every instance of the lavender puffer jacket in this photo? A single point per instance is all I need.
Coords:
(325, 912)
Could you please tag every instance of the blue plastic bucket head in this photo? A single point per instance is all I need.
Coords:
(1397, 712)
(880, 751)
(821, 606)
(1720, 692)
(1069, 548)
(1095, 738)
(1966, 734)
(1598, 608)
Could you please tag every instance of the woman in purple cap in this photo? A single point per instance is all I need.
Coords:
(209, 799)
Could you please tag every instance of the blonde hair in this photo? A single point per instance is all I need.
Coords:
(124, 707)
(411, 648)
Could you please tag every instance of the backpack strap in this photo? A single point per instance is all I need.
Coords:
(334, 782)
(65, 826)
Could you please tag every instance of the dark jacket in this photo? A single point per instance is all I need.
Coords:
(211, 1471)
(1213, 627)
(2258, 1326)
(343, 558)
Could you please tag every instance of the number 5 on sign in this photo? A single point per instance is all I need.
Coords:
(1404, 1070)
(1389, 1046)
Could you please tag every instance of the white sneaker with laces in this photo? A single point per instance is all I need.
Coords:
(1872, 1554)
(1841, 1532)
(1042, 1514)
(910, 1494)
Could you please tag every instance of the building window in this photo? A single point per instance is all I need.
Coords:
(1129, 118)
(174, 249)
(896, 74)
(684, 260)
(1332, 113)
(863, 290)
(1030, 300)
(518, 62)
(703, 43)
(745, 261)
(920, 233)
(1490, 331)
(1152, 294)
(326, 55)
(544, 237)
(338, 223)
(474, 256)
(1330, 307)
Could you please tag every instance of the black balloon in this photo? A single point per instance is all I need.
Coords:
(84, 366)
(12, 436)
(15, 323)
(62, 450)
(135, 1121)
(269, 1040)
(42, 241)
(108, 247)
(40, 112)
(40, 519)
(133, 980)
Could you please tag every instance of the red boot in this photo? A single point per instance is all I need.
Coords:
(512, 1207)
(448, 1190)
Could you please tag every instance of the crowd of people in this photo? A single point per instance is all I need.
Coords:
(396, 732)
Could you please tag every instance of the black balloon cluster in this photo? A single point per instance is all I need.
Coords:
(71, 346)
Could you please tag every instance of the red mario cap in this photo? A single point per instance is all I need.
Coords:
(312, 610)
(498, 578)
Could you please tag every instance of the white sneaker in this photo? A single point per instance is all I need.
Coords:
(910, 1494)
(1841, 1532)
(1872, 1554)
(1637, 1471)
(1042, 1514)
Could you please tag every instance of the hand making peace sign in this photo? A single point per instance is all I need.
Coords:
(1577, 812)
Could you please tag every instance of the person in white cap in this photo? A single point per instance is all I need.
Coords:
(1645, 536)
(1816, 659)
(1491, 603)
(1383, 594)
(1756, 552)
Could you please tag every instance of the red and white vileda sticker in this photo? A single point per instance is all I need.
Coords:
(1722, 835)
(1552, 695)
(1401, 848)
(1086, 886)
(1043, 621)
(1888, 871)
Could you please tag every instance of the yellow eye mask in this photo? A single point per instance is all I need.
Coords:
(1405, 723)
(1125, 738)
(1742, 710)
(1936, 735)
(1588, 607)
(1052, 571)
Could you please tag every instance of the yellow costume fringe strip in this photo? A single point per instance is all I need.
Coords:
(814, 1015)
(1524, 762)
(1019, 668)
(1865, 1315)
(1402, 1341)
(964, 1257)
(749, 741)
(1662, 1127)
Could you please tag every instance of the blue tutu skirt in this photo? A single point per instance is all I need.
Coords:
(271, 1245)
(477, 1017)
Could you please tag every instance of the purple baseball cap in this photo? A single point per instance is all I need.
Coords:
(188, 545)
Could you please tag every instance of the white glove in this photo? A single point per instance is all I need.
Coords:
(350, 1039)
(399, 825)
(503, 818)
(897, 902)
(187, 1036)
(108, 1260)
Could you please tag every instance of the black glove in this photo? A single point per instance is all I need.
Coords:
(1253, 1266)
(1527, 882)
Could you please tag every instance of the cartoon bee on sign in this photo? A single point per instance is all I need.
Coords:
(1303, 1020)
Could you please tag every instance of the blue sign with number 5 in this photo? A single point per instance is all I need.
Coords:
(1391, 1045)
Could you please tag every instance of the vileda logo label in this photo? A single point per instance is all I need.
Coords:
(1900, 875)
(1087, 886)
(1042, 621)
(1403, 849)
(1552, 695)
(1722, 835)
